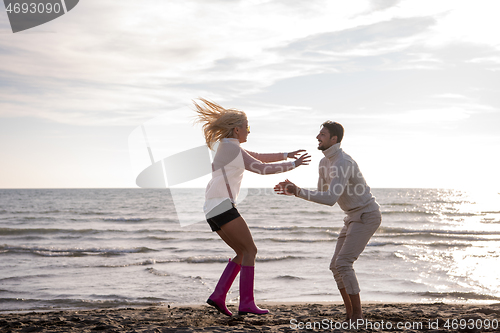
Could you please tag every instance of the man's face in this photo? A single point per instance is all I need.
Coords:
(324, 139)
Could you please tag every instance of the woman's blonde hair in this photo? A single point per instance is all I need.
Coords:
(218, 122)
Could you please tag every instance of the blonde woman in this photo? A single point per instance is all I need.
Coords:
(228, 128)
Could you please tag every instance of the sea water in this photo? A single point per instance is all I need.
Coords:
(95, 248)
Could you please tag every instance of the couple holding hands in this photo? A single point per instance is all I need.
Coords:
(340, 181)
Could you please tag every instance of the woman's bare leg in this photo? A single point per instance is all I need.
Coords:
(218, 297)
(239, 253)
(237, 235)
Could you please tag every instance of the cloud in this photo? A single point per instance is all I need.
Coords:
(383, 4)
(132, 62)
(432, 116)
(451, 96)
(487, 60)
(371, 36)
(106, 64)
(385, 69)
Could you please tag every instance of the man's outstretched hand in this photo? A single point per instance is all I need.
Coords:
(286, 188)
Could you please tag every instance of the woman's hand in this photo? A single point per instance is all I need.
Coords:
(303, 160)
(286, 188)
(294, 154)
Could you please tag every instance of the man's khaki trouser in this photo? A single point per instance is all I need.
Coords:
(351, 242)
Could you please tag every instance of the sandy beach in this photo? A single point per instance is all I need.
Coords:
(284, 317)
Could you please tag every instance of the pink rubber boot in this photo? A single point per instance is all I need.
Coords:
(218, 297)
(247, 303)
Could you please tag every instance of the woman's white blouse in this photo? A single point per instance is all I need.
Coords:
(227, 172)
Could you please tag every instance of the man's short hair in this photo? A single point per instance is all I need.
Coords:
(335, 129)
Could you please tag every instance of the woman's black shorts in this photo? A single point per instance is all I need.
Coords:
(218, 221)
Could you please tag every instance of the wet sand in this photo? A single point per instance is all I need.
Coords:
(284, 317)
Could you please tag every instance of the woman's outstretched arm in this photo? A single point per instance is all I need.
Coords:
(258, 166)
(274, 157)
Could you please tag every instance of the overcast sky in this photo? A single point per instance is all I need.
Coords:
(416, 85)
